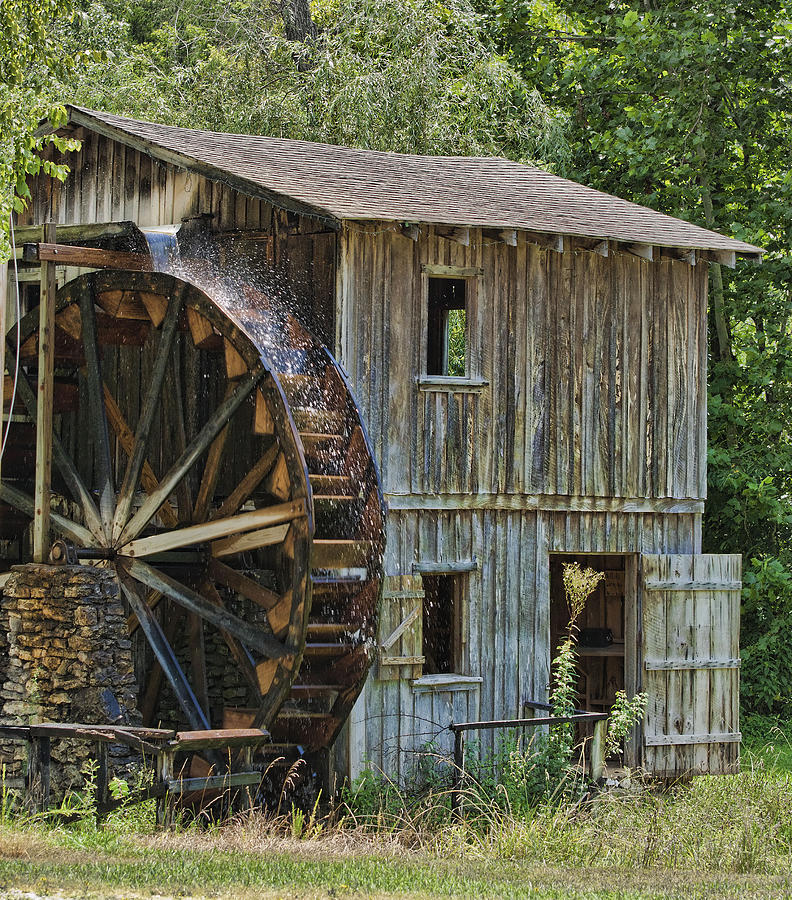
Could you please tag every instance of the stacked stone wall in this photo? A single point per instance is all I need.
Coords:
(65, 656)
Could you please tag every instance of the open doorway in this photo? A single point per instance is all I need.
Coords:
(607, 646)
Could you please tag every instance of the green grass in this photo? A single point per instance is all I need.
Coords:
(43, 860)
(712, 837)
(767, 740)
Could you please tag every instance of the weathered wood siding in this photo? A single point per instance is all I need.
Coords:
(110, 182)
(595, 369)
(508, 597)
(595, 395)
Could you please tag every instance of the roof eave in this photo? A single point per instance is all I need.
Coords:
(716, 254)
(189, 163)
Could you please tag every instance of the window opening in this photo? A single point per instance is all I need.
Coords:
(447, 335)
(442, 638)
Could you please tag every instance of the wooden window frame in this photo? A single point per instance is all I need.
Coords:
(471, 380)
(460, 622)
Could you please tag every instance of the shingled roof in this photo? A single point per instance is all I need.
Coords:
(345, 184)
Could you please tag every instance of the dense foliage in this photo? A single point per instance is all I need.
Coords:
(30, 63)
(685, 107)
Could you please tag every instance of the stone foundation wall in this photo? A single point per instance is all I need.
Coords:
(65, 656)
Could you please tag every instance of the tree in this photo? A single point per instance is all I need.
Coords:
(688, 108)
(31, 60)
(405, 75)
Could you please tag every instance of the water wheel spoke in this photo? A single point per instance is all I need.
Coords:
(212, 469)
(252, 540)
(152, 600)
(193, 451)
(198, 660)
(165, 655)
(173, 408)
(27, 505)
(151, 696)
(253, 637)
(137, 457)
(62, 460)
(249, 483)
(93, 375)
(126, 439)
(209, 531)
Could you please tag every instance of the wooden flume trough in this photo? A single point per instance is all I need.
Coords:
(234, 469)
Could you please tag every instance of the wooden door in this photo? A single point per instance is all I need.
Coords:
(690, 648)
(401, 628)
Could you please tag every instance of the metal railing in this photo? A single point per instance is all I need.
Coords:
(596, 757)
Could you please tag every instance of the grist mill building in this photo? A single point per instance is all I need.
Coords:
(339, 438)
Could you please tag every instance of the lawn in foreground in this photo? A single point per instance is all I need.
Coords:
(728, 836)
(55, 862)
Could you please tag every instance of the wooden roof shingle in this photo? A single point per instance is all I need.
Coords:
(347, 184)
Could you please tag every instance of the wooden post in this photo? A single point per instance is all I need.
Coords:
(165, 775)
(459, 772)
(46, 367)
(102, 781)
(597, 767)
(39, 773)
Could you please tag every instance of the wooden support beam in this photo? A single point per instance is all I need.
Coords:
(509, 236)
(554, 242)
(39, 773)
(408, 229)
(3, 328)
(253, 540)
(183, 464)
(602, 248)
(93, 375)
(238, 497)
(644, 251)
(173, 410)
(235, 581)
(27, 504)
(722, 257)
(452, 271)
(253, 637)
(86, 257)
(238, 651)
(165, 655)
(459, 235)
(209, 531)
(152, 599)
(198, 661)
(211, 470)
(69, 234)
(597, 763)
(46, 373)
(62, 460)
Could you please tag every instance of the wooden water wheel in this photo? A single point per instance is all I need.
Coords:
(209, 448)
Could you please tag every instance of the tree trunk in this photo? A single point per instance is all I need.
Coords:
(722, 337)
(297, 21)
